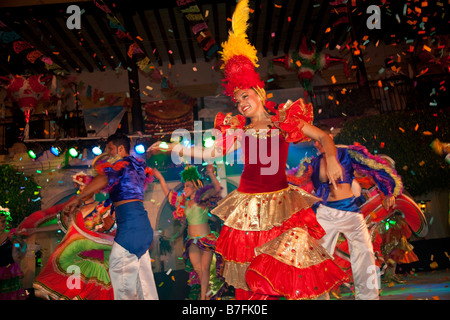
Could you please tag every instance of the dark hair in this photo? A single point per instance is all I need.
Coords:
(120, 139)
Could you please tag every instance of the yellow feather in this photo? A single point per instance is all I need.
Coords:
(240, 18)
(237, 43)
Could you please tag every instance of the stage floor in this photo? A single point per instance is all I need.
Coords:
(433, 285)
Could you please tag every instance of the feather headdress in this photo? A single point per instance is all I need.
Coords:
(239, 55)
(190, 173)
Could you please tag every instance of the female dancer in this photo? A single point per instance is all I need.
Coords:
(84, 249)
(268, 239)
(193, 204)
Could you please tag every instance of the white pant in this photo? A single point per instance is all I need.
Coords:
(352, 225)
(131, 278)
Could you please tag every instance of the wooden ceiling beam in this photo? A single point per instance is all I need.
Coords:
(267, 27)
(99, 43)
(148, 32)
(190, 40)
(55, 31)
(294, 18)
(163, 35)
(305, 23)
(176, 34)
(281, 21)
(318, 31)
(112, 42)
(255, 21)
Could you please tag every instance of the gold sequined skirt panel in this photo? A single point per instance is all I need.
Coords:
(262, 211)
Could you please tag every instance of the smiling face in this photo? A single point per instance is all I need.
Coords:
(189, 189)
(248, 102)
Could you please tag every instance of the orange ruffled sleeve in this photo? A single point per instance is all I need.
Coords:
(289, 119)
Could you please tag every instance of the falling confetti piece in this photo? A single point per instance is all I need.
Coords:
(160, 285)
(410, 297)
(435, 298)
(434, 265)
(333, 79)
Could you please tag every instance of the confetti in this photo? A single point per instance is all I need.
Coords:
(425, 47)
(333, 79)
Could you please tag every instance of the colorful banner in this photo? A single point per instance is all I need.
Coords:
(191, 12)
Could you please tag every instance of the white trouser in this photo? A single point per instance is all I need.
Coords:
(131, 278)
(352, 225)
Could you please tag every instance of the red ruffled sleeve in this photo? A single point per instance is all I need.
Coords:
(223, 122)
(289, 119)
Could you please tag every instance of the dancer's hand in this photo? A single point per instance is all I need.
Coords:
(334, 171)
(72, 205)
(160, 146)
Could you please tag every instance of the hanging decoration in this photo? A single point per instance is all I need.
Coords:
(134, 49)
(307, 62)
(28, 92)
(143, 62)
(20, 46)
(191, 12)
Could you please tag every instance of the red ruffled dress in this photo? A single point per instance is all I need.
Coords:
(82, 250)
(269, 237)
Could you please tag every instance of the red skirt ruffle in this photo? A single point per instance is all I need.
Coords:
(267, 275)
(239, 246)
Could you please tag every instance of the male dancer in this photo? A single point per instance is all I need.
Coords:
(339, 212)
(125, 179)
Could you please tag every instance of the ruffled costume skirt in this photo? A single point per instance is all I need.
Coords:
(217, 283)
(269, 244)
(78, 268)
(11, 283)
